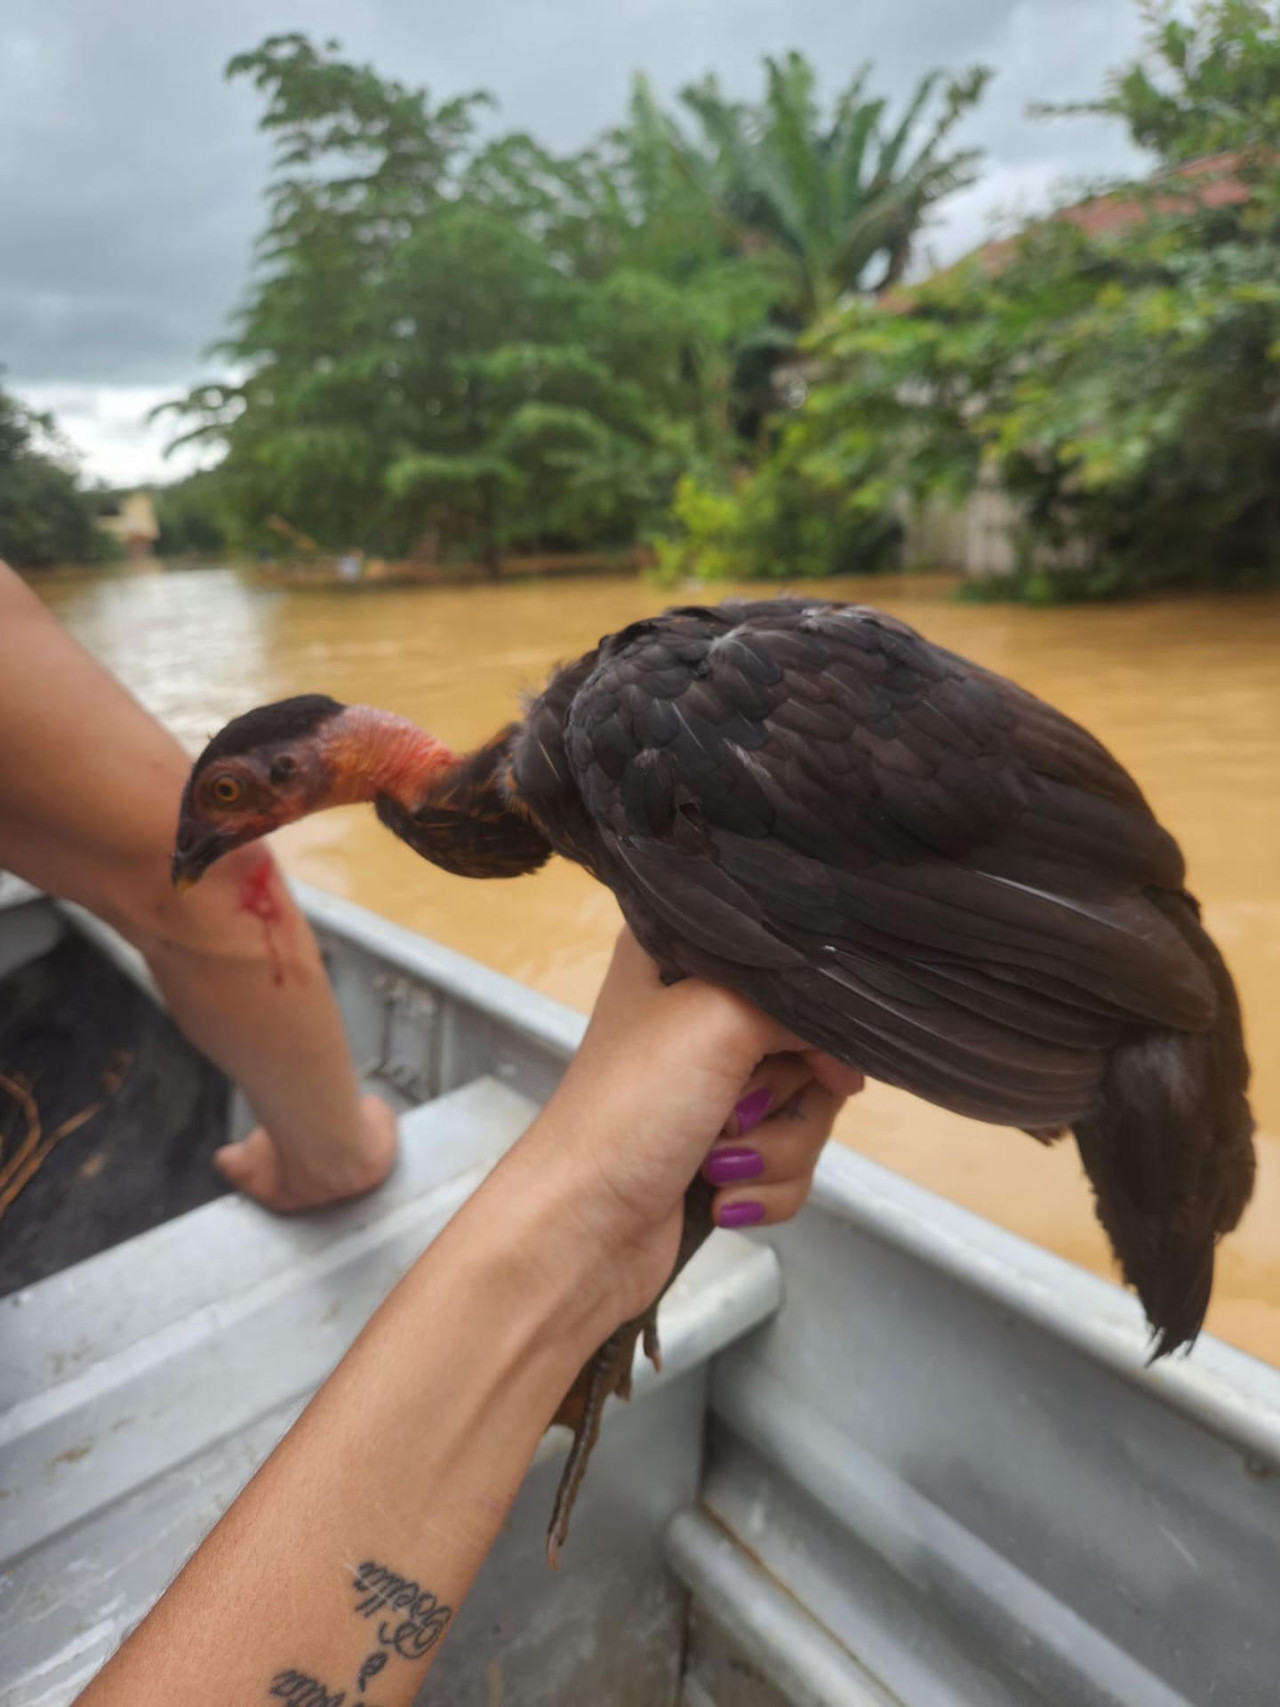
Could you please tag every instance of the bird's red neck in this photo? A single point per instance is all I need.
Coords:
(370, 753)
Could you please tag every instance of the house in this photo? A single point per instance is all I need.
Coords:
(132, 520)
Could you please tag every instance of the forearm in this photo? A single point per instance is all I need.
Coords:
(404, 1467)
(332, 1579)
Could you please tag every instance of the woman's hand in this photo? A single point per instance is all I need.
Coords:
(257, 1166)
(670, 1079)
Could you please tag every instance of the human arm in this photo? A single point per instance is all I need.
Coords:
(409, 1458)
(89, 786)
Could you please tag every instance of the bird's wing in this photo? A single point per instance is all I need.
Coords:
(909, 861)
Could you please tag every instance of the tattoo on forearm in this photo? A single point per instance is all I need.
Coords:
(303, 1691)
(370, 1669)
(417, 1620)
(414, 1622)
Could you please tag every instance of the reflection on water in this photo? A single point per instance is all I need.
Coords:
(1187, 694)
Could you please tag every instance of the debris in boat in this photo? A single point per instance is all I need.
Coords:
(66, 1017)
(17, 1168)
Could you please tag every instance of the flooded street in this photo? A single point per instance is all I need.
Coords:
(1186, 693)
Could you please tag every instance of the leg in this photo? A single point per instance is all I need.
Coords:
(89, 789)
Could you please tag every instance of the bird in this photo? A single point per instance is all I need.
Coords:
(912, 863)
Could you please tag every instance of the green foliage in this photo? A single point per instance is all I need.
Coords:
(485, 346)
(831, 204)
(1207, 82)
(45, 516)
(709, 544)
(1119, 377)
(190, 514)
(776, 523)
(842, 199)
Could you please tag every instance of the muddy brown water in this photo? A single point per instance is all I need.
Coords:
(1185, 692)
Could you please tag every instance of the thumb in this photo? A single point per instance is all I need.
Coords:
(232, 1163)
(251, 1166)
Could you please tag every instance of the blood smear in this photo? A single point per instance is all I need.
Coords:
(258, 899)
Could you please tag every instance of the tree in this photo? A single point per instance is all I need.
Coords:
(45, 517)
(692, 305)
(190, 514)
(834, 204)
(1205, 83)
(518, 426)
(310, 429)
(842, 199)
(430, 347)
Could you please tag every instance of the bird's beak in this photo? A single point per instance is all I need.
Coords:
(193, 856)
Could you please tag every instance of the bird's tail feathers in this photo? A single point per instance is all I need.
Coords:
(1169, 1149)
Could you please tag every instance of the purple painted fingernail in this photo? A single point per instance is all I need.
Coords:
(741, 1214)
(752, 1110)
(730, 1167)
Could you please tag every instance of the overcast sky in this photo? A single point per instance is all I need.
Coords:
(131, 174)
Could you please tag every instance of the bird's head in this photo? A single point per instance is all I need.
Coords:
(267, 768)
(284, 761)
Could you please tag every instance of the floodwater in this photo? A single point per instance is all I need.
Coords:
(1185, 692)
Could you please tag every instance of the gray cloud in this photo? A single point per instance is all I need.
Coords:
(132, 173)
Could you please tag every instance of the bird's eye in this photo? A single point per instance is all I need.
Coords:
(227, 790)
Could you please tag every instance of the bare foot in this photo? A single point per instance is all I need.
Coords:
(254, 1166)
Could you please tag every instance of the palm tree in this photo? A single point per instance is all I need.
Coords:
(842, 200)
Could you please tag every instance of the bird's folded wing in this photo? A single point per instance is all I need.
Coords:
(907, 860)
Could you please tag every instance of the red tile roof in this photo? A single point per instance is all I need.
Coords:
(1216, 182)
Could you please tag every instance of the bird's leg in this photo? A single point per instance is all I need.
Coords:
(609, 1371)
(652, 1350)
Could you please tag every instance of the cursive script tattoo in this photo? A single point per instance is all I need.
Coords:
(417, 1619)
(414, 1622)
(371, 1667)
(303, 1691)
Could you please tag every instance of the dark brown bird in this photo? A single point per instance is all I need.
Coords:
(907, 860)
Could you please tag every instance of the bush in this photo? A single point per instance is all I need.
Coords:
(778, 523)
